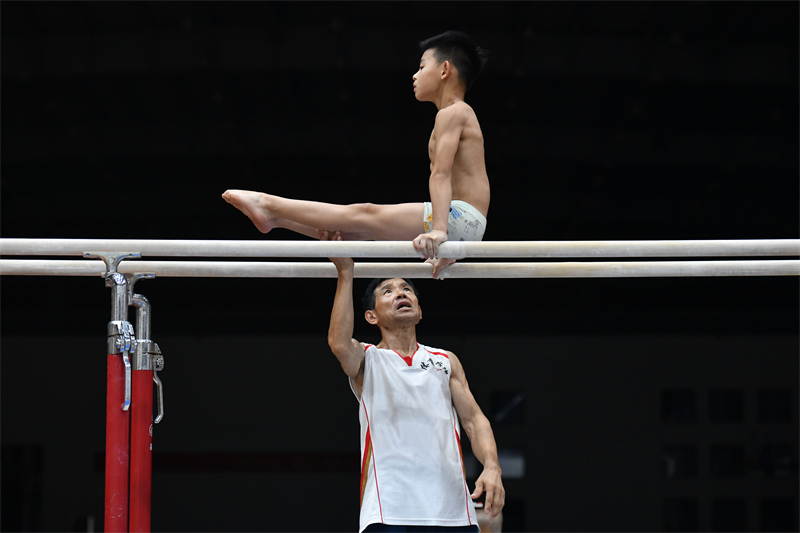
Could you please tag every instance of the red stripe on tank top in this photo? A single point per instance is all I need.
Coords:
(365, 465)
(370, 460)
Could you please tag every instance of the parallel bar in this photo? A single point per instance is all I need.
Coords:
(325, 269)
(458, 250)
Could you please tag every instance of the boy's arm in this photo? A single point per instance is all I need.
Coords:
(347, 350)
(447, 132)
(481, 437)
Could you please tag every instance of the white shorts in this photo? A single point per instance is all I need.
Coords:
(465, 223)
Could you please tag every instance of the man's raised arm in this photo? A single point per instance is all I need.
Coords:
(347, 350)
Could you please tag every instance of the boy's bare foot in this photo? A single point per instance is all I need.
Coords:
(253, 205)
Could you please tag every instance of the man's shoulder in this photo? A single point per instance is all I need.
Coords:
(437, 351)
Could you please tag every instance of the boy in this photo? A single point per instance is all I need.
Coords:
(459, 185)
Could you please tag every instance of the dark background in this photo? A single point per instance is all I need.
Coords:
(602, 121)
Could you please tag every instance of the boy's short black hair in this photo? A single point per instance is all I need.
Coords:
(458, 48)
(368, 301)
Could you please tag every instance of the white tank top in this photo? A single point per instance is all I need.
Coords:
(412, 469)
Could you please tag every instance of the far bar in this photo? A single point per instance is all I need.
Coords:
(405, 249)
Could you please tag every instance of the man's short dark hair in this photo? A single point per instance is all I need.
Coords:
(368, 301)
(458, 48)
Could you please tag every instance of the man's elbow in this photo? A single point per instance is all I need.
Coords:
(341, 348)
(338, 346)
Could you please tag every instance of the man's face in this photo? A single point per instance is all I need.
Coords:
(395, 301)
(427, 78)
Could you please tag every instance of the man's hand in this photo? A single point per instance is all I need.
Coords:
(428, 243)
(342, 263)
(491, 483)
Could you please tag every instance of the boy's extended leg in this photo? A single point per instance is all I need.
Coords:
(389, 222)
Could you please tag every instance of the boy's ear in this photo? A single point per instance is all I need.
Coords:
(370, 316)
(447, 68)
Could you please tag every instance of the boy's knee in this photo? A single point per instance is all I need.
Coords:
(365, 210)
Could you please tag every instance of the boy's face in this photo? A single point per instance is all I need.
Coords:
(428, 77)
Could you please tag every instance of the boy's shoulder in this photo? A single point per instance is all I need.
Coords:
(459, 109)
(456, 107)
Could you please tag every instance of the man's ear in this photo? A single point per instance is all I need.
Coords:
(371, 317)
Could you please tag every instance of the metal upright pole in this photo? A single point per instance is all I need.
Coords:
(118, 395)
(142, 415)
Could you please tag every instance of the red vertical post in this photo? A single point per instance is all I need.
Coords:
(141, 450)
(142, 376)
(117, 448)
(119, 336)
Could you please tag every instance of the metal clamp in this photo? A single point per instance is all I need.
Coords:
(120, 332)
(120, 340)
(158, 366)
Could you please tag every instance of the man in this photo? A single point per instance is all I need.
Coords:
(412, 472)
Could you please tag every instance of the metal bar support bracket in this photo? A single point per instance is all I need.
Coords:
(147, 353)
(121, 338)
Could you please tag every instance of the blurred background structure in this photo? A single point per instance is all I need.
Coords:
(619, 405)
